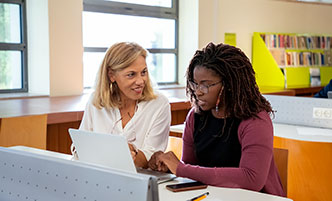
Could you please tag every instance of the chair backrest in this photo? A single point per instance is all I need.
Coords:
(280, 158)
(281, 161)
(28, 131)
(175, 145)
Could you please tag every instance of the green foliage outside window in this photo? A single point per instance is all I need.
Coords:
(4, 55)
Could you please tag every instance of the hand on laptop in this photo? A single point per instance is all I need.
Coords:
(138, 156)
(170, 160)
(155, 164)
(133, 150)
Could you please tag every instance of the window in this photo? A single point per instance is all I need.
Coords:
(151, 23)
(13, 68)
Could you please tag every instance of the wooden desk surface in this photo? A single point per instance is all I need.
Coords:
(277, 91)
(306, 91)
(70, 108)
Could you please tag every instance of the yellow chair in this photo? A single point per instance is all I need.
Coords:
(280, 158)
(175, 145)
(26, 131)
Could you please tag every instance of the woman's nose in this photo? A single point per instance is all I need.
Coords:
(139, 80)
(198, 92)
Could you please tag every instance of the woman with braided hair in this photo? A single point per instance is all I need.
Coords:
(228, 135)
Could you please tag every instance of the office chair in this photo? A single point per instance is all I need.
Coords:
(281, 161)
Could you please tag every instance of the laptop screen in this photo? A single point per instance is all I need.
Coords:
(107, 150)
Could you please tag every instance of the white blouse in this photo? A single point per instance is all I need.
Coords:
(148, 129)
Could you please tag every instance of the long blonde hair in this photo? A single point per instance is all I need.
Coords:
(118, 57)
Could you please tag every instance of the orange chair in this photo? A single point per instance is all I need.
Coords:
(175, 145)
(281, 160)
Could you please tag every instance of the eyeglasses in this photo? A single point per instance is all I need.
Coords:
(202, 87)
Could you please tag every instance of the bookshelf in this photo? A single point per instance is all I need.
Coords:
(288, 60)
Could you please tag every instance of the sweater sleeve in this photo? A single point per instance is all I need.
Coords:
(188, 151)
(256, 139)
(323, 92)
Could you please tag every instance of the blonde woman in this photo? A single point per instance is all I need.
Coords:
(125, 103)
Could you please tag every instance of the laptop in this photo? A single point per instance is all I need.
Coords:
(111, 151)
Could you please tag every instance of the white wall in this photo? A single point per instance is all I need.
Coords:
(244, 17)
(66, 47)
(55, 47)
(38, 47)
(188, 35)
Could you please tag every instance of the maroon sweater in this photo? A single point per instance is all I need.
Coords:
(257, 170)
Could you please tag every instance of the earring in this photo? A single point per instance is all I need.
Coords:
(217, 104)
(111, 87)
(218, 100)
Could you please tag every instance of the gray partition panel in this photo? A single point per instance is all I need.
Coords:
(314, 112)
(28, 176)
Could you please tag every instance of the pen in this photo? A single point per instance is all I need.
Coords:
(200, 197)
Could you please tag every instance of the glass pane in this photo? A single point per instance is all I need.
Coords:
(91, 64)
(111, 28)
(10, 70)
(155, 62)
(161, 3)
(162, 67)
(10, 23)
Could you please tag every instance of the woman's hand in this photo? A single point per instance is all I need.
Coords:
(155, 164)
(138, 156)
(170, 160)
(133, 151)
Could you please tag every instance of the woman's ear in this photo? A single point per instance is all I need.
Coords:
(111, 74)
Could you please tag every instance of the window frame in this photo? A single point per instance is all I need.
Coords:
(112, 7)
(22, 47)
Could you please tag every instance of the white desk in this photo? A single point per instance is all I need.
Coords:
(303, 133)
(216, 193)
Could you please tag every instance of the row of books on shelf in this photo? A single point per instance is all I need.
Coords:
(297, 41)
(284, 58)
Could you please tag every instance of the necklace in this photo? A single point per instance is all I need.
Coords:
(128, 112)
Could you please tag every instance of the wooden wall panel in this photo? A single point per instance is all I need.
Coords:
(26, 131)
(58, 138)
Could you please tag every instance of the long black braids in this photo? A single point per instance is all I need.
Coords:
(241, 97)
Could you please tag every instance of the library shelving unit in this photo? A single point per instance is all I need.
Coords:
(288, 60)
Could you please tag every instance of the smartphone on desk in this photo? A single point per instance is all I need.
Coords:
(186, 186)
